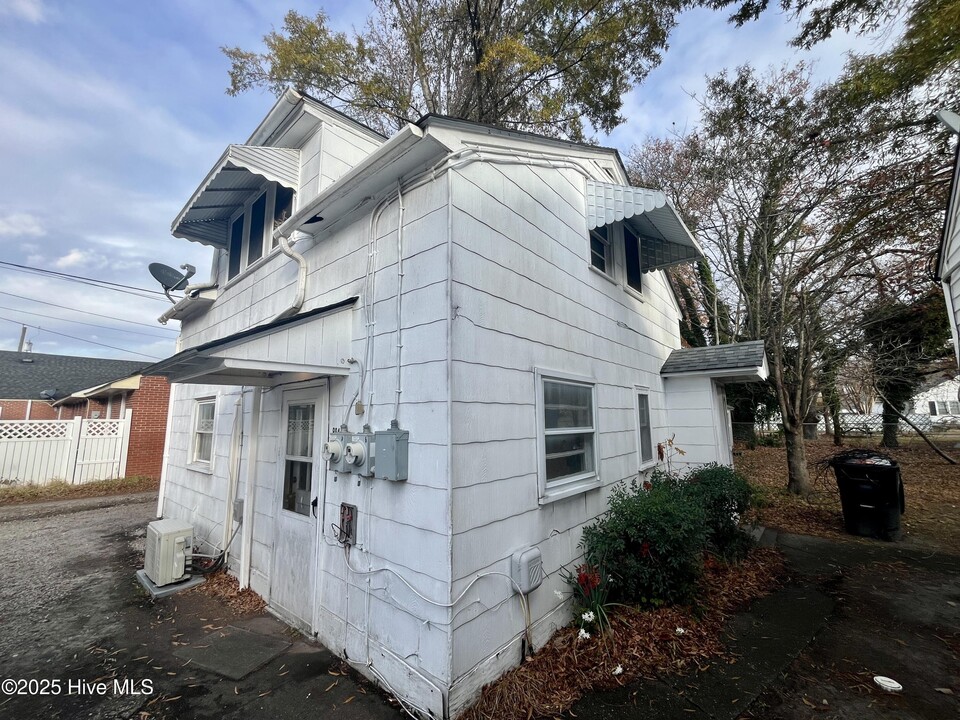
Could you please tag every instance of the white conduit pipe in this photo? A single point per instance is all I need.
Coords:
(396, 402)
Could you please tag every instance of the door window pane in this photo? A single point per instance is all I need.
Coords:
(298, 463)
(300, 431)
(297, 484)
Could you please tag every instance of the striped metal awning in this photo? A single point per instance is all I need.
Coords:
(664, 239)
(238, 174)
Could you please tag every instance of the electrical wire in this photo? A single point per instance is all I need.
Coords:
(80, 322)
(73, 337)
(88, 312)
(105, 284)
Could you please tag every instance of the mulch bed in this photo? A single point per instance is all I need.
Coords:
(932, 488)
(644, 643)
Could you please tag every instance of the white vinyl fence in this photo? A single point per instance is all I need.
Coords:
(75, 451)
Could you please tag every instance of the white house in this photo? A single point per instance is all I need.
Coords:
(497, 294)
(940, 399)
(948, 256)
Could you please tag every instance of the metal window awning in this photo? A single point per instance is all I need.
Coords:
(238, 174)
(249, 358)
(664, 239)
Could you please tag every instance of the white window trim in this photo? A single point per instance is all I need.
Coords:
(609, 257)
(617, 272)
(642, 464)
(204, 466)
(577, 484)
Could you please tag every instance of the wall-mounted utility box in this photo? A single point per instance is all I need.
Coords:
(334, 452)
(526, 569)
(359, 453)
(392, 453)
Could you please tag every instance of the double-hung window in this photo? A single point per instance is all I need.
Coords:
(631, 259)
(203, 417)
(568, 447)
(944, 407)
(600, 256)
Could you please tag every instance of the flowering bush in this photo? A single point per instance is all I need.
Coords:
(652, 540)
(590, 587)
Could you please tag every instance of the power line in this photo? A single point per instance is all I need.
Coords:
(104, 284)
(80, 322)
(86, 312)
(73, 337)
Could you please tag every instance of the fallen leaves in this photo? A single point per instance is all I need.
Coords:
(645, 643)
(226, 588)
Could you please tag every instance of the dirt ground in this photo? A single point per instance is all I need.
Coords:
(931, 485)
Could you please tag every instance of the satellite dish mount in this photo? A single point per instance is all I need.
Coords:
(170, 279)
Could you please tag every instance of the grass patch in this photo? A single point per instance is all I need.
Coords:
(60, 490)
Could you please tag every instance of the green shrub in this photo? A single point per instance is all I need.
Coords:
(651, 542)
(724, 496)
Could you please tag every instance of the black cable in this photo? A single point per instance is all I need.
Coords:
(88, 312)
(104, 284)
(73, 337)
(80, 322)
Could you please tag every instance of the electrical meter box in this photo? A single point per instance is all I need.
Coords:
(334, 452)
(392, 453)
(169, 544)
(359, 453)
(526, 569)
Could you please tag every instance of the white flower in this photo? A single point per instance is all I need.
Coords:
(558, 594)
(588, 616)
(680, 631)
(583, 635)
(618, 670)
(736, 518)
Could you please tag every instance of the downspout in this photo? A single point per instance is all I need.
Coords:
(166, 449)
(287, 250)
(236, 450)
(250, 493)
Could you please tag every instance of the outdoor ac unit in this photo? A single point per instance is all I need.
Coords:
(169, 542)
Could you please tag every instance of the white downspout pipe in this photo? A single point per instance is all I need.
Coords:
(250, 493)
(166, 449)
(236, 448)
(288, 250)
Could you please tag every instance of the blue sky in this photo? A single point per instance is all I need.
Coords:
(112, 112)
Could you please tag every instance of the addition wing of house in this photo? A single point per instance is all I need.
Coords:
(948, 259)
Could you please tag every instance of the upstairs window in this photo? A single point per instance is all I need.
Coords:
(251, 231)
(631, 256)
(600, 256)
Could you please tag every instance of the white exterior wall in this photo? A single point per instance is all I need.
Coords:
(404, 526)
(946, 391)
(950, 262)
(525, 298)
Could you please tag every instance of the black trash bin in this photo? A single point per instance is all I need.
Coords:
(871, 493)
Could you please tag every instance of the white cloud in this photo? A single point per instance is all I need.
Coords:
(32, 11)
(21, 225)
(72, 259)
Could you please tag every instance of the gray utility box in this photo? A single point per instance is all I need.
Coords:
(392, 453)
(334, 451)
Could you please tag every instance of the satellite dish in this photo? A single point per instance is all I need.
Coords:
(169, 278)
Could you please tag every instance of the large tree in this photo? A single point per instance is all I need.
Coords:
(808, 199)
(540, 65)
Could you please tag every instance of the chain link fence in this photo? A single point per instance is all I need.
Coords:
(868, 429)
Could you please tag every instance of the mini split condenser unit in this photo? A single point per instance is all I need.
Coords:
(169, 544)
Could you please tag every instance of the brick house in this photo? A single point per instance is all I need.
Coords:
(36, 386)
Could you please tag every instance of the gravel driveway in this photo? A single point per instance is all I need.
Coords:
(61, 578)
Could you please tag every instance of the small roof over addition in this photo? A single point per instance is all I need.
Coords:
(239, 172)
(743, 362)
(24, 376)
(665, 240)
(224, 362)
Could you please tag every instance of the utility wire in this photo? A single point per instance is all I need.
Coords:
(80, 322)
(73, 337)
(106, 285)
(87, 312)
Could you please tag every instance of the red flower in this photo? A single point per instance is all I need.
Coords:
(588, 578)
(645, 549)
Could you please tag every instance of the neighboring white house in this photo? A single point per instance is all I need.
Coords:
(941, 399)
(499, 295)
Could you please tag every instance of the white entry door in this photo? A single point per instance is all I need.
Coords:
(299, 500)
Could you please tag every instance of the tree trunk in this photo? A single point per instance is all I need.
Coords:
(890, 426)
(827, 421)
(798, 481)
(837, 430)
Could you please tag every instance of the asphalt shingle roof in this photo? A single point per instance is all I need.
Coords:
(738, 356)
(23, 376)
